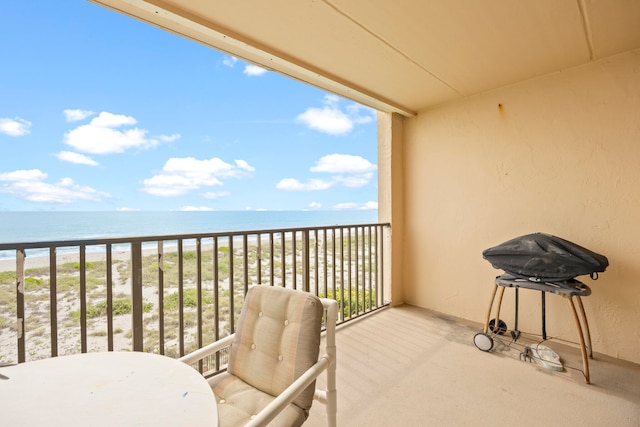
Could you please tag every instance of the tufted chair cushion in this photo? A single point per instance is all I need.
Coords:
(238, 402)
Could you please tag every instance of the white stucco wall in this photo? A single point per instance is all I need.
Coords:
(559, 154)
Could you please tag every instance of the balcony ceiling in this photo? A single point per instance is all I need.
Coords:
(403, 55)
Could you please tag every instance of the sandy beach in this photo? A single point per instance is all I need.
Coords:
(37, 309)
(43, 261)
(9, 264)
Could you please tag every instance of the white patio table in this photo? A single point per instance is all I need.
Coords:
(106, 389)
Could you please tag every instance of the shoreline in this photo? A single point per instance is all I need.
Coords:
(40, 261)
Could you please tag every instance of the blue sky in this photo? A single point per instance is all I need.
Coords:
(102, 112)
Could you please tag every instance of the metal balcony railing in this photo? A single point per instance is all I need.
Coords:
(171, 294)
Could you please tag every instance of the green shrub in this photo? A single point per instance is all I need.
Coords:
(40, 271)
(357, 305)
(189, 299)
(7, 277)
(119, 306)
(32, 282)
(68, 283)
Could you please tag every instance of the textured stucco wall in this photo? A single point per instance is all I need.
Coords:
(391, 201)
(558, 154)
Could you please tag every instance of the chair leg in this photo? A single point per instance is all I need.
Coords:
(332, 408)
(332, 397)
(585, 359)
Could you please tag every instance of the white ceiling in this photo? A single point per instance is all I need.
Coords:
(403, 55)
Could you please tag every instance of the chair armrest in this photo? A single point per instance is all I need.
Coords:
(285, 398)
(201, 353)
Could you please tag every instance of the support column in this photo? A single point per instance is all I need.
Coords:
(391, 201)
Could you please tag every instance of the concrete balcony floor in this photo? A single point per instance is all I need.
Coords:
(406, 366)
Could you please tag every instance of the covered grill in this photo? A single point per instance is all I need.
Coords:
(543, 257)
(544, 263)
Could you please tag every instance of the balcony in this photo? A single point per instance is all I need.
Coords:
(396, 365)
(409, 366)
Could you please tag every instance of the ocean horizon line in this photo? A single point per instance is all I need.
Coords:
(41, 226)
(191, 210)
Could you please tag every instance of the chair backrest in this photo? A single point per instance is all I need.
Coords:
(277, 339)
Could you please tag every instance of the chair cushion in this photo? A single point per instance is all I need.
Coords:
(238, 402)
(277, 340)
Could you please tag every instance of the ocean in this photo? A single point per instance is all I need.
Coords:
(18, 227)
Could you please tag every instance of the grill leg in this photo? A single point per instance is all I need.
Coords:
(586, 326)
(515, 332)
(585, 359)
(499, 305)
(544, 316)
(486, 320)
(517, 304)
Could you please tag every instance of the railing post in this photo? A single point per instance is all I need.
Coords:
(109, 272)
(305, 261)
(161, 296)
(136, 296)
(20, 304)
(53, 300)
(83, 299)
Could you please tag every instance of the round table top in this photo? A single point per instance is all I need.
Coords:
(106, 389)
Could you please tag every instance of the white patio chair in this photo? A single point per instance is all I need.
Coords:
(273, 360)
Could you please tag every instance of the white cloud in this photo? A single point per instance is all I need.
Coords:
(343, 163)
(102, 136)
(216, 195)
(357, 206)
(23, 175)
(348, 171)
(195, 209)
(331, 99)
(169, 138)
(353, 110)
(29, 185)
(171, 185)
(109, 120)
(292, 184)
(314, 205)
(202, 169)
(353, 181)
(253, 70)
(181, 175)
(15, 127)
(76, 115)
(328, 120)
(242, 164)
(230, 61)
(125, 209)
(249, 69)
(331, 119)
(71, 157)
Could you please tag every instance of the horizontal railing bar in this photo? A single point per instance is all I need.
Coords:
(168, 237)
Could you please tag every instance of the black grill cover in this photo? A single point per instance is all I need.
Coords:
(543, 256)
